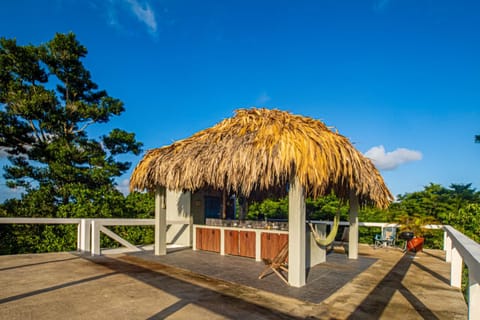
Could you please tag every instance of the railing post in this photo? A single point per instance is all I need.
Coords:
(447, 246)
(84, 235)
(79, 236)
(456, 269)
(473, 295)
(96, 237)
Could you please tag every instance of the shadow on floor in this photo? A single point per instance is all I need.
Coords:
(375, 303)
(322, 281)
(37, 264)
(53, 288)
(226, 305)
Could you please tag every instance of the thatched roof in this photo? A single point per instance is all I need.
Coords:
(259, 151)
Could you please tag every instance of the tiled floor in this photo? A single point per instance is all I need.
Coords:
(322, 280)
(381, 284)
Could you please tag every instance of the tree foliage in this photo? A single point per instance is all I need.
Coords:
(48, 101)
(458, 205)
(44, 238)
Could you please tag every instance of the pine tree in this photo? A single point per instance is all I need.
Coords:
(47, 103)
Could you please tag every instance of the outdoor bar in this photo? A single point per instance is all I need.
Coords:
(257, 154)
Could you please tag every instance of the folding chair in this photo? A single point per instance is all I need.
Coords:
(277, 264)
(386, 238)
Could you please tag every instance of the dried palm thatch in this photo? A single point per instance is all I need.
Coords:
(259, 151)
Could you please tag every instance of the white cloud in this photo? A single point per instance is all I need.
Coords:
(116, 10)
(391, 160)
(124, 186)
(262, 99)
(144, 13)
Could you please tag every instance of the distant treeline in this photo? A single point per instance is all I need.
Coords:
(457, 205)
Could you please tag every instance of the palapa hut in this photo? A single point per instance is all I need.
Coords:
(260, 152)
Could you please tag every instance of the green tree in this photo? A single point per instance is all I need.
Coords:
(433, 201)
(47, 103)
(269, 209)
(461, 195)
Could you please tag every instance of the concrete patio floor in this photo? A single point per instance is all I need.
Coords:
(382, 284)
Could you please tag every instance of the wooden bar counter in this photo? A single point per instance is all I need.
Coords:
(237, 241)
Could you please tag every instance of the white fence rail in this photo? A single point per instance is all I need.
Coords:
(459, 248)
(88, 234)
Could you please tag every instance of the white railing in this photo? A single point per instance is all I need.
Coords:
(461, 249)
(89, 229)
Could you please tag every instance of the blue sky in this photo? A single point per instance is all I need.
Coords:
(400, 78)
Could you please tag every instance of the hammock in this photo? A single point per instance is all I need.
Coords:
(331, 236)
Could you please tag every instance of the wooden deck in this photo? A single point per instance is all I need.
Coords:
(381, 284)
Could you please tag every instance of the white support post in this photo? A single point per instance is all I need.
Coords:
(456, 269)
(258, 245)
(447, 246)
(222, 242)
(194, 238)
(353, 224)
(296, 237)
(160, 222)
(178, 208)
(95, 237)
(84, 235)
(473, 297)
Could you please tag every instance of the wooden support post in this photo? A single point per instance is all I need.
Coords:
(296, 236)
(160, 222)
(353, 224)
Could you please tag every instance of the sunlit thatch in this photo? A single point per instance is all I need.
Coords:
(257, 152)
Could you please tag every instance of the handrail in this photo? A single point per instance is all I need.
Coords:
(468, 249)
(461, 249)
(11, 220)
(88, 234)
